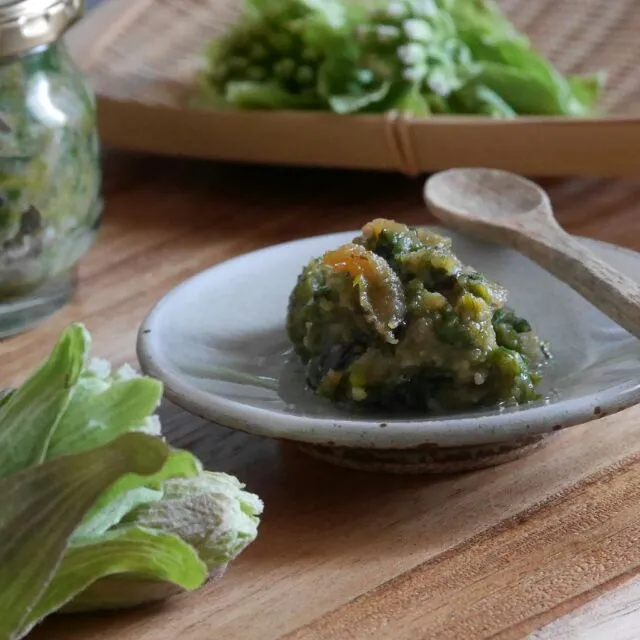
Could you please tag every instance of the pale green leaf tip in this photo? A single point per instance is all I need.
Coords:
(147, 454)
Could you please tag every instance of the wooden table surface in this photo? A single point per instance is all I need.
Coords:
(544, 547)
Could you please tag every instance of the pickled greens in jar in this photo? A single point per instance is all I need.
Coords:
(395, 320)
(49, 168)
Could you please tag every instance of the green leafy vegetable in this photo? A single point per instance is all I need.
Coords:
(230, 523)
(130, 550)
(29, 415)
(132, 491)
(97, 511)
(42, 505)
(273, 57)
(103, 406)
(417, 56)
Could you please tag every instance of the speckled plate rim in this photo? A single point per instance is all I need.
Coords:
(510, 425)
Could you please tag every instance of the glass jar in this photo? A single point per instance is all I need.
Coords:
(50, 179)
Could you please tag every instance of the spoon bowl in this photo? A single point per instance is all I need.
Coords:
(489, 194)
(505, 208)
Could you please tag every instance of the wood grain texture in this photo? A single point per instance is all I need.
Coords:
(496, 553)
(511, 577)
(507, 209)
(616, 614)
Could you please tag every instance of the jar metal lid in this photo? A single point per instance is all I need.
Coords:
(25, 24)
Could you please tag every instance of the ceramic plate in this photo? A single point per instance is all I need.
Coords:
(218, 343)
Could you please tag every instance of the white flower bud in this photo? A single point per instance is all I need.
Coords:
(413, 74)
(99, 368)
(397, 9)
(417, 30)
(439, 84)
(387, 32)
(426, 8)
(411, 53)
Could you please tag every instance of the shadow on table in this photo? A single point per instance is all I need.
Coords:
(245, 207)
(304, 497)
(226, 202)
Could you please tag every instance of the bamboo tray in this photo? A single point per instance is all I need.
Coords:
(141, 56)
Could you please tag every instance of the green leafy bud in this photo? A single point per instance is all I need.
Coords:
(210, 511)
(97, 511)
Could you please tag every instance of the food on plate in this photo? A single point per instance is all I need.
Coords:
(420, 57)
(98, 511)
(394, 319)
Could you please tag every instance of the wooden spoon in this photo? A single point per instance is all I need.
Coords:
(501, 207)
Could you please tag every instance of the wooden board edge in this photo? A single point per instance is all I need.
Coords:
(603, 149)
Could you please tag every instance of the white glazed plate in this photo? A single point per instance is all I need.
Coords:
(218, 343)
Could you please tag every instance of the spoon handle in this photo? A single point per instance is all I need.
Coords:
(612, 292)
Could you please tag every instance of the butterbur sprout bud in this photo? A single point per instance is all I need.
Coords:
(231, 522)
(146, 523)
(304, 75)
(212, 512)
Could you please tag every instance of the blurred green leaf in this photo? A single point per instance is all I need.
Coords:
(482, 100)
(257, 95)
